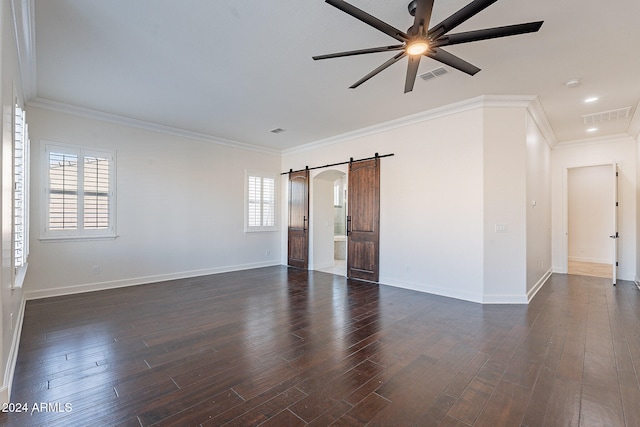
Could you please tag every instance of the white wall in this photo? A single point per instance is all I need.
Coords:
(538, 208)
(452, 178)
(180, 209)
(504, 188)
(621, 150)
(11, 300)
(590, 214)
(431, 200)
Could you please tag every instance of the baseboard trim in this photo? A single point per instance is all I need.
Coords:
(533, 291)
(422, 287)
(5, 391)
(593, 260)
(466, 296)
(101, 286)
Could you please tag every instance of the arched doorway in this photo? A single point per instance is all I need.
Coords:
(329, 207)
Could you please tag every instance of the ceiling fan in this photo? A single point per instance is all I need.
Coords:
(420, 41)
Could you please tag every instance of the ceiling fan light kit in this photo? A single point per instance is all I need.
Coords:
(418, 41)
(418, 47)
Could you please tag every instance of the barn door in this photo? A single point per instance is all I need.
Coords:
(363, 220)
(298, 253)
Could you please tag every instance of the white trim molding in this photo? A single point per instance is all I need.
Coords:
(24, 26)
(5, 390)
(634, 126)
(101, 286)
(533, 291)
(47, 104)
(593, 141)
(531, 103)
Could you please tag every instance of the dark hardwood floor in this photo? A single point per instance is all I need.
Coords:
(282, 347)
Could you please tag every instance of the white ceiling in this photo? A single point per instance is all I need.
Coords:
(236, 69)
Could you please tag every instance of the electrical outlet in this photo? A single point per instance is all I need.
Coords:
(95, 270)
(267, 252)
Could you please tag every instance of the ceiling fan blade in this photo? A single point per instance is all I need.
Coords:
(423, 15)
(360, 52)
(390, 62)
(368, 19)
(459, 17)
(488, 33)
(452, 60)
(412, 72)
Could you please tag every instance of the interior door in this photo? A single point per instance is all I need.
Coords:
(298, 252)
(363, 220)
(615, 235)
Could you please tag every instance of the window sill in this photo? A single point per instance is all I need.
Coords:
(20, 274)
(264, 230)
(77, 238)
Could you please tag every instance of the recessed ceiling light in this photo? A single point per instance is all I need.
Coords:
(591, 99)
(591, 130)
(277, 130)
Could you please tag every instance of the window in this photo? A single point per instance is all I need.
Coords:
(20, 235)
(79, 191)
(260, 203)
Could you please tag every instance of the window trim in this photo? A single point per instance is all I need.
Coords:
(261, 228)
(78, 234)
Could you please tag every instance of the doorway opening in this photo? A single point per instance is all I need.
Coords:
(330, 222)
(591, 219)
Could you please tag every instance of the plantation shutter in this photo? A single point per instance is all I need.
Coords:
(261, 201)
(96, 193)
(63, 191)
(80, 191)
(20, 189)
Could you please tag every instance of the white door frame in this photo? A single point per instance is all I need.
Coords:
(565, 207)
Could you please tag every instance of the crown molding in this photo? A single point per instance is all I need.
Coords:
(634, 126)
(531, 103)
(593, 141)
(540, 118)
(496, 101)
(22, 12)
(47, 104)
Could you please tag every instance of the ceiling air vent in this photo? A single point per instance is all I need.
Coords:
(433, 73)
(607, 116)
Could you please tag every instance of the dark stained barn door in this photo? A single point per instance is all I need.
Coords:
(298, 253)
(363, 220)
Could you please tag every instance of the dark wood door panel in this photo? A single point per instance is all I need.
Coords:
(364, 257)
(364, 201)
(297, 249)
(298, 233)
(363, 222)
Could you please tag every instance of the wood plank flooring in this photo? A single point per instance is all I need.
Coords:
(283, 347)
(590, 269)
